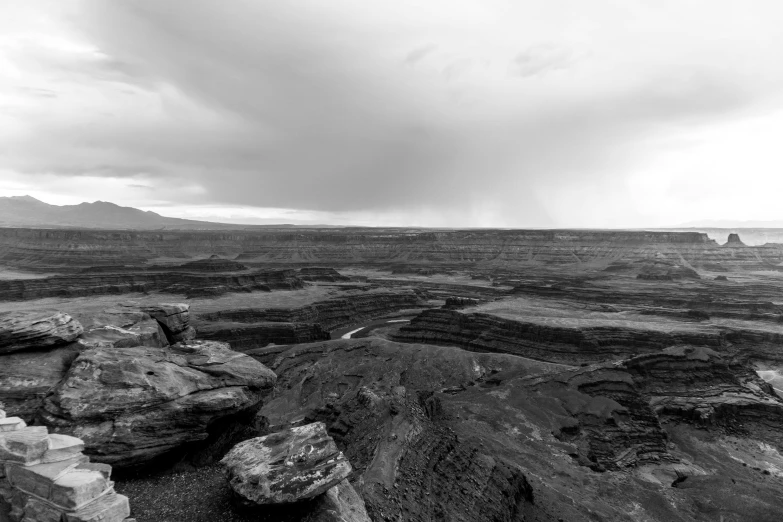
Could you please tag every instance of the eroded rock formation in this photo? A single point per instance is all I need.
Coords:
(132, 405)
(36, 330)
(45, 478)
(702, 386)
(174, 319)
(26, 376)
(292, 465)
(441, 433)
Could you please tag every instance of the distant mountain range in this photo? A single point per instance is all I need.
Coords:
(26, 211)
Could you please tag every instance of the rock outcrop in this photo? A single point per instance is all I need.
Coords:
(27, 377)
(36, 330)
(288, 466)
(133, 405)
(702, 386)
(123, 328)
(609, 420)
(371, 395)
(46, 478)
(174, 319)
(438, 433)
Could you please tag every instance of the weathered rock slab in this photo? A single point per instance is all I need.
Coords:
(131, 405)
(109, 508)
(26, 377)
(35, 330)
(26, 445)
(174, 318)
(62, 447)
(146, 332)
(11, 424)
(289, 466)
(60, 482)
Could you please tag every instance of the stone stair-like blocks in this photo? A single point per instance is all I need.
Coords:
(46, 478)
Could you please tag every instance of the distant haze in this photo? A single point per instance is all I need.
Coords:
(453, 113)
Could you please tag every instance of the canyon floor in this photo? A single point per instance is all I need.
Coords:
(475, 376)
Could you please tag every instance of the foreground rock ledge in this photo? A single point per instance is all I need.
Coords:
(45, 478)
(288, 466)
(132, 405)
(36, 330)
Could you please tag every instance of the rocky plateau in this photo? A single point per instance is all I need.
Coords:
(400, 374)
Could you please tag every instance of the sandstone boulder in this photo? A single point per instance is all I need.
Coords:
(123, 326)
(174, 318)
(147, 332)
(133, 404)
(289, 466)
(26, 377)
(35, 330)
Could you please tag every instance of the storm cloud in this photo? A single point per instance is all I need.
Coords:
(446, 113)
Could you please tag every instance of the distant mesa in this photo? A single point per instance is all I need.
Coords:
(734, 240)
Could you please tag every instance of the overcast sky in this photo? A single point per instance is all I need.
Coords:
(512, 113)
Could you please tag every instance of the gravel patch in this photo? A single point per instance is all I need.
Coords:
(199, 495)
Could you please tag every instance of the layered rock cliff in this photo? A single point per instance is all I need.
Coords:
(65, 249)
(141, 280)
(548, 342)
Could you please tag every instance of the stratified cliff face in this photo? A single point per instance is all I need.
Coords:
(67, 249)
(612, 424)
(702, 386)
(243, 336)
(749, 300)
(127, 281)
(550, 341)
(490, 333)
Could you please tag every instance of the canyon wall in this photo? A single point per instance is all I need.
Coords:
(175, 282)
(67, 249)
